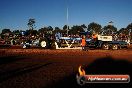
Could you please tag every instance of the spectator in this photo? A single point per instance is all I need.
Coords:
(83, 43)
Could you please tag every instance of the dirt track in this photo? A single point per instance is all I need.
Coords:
(38, 68)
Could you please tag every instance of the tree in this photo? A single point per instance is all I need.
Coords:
(84, 27)
(123, 31)
(65, 27)
(34, 32)
(46, 30)
(129, 27)
(27, 32)
(94, 27)
(31, 24)
(16, 32)
(109, 29)
(6, 31)
(57, 29)
(50, 28)
(76, 30)
(43, 30)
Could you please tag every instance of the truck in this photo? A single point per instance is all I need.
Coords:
(106, 43)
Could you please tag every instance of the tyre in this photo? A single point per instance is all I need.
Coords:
(115, 47)
(43, 44)
(105, 46)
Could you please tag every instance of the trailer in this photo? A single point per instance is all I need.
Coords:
(106, 43)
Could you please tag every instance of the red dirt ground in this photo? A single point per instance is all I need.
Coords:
(38, 68)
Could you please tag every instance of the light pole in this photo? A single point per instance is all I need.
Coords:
(67, 16)
(67, 21)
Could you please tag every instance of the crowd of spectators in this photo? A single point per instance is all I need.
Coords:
(21, 38)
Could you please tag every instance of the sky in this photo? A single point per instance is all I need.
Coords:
(14, 14)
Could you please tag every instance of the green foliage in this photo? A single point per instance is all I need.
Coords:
(123, 31)
(57, 29)
(94, 27)
(49, 28)
(31, 24)
(65, 27)
(45, 30)
(109, 29)
(129, 26)
(16, 32)
(6, 31)
(84, 26)
(76, 30)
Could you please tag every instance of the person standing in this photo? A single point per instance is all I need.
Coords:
(83, 43)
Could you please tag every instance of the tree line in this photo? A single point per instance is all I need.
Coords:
(93, 27)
